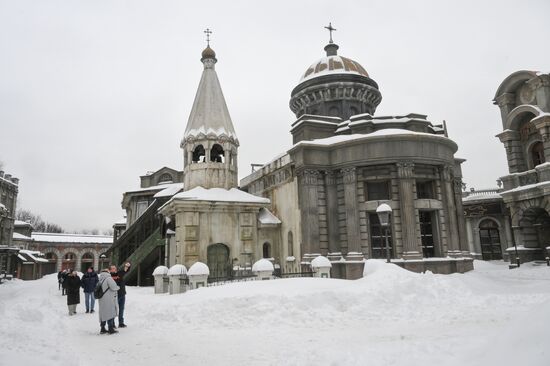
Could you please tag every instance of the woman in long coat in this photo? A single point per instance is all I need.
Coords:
(108, 303)
(73, 291)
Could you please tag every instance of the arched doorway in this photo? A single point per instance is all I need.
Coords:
(51, 266)
(537, 154)
(489, 238)
(218, 260)
(86, 262)
(535, 228)
(69, 261)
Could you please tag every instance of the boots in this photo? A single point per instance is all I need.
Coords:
(103, 330)
(112, 330)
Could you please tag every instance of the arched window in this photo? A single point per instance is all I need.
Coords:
(165, 178)
(489, 239)
(87, 261)
(69, 257)
(353, 111)
(290, 244)
(51, 257)
(267, 250)
(217, 154)
(199, 154)
(537, 154)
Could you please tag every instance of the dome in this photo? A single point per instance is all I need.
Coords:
(208, 53)
(160, 271)
(198, 269)
(263, 265)
(177, 269)
(334, 65)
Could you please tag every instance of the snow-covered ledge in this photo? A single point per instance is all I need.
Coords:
(263, 269)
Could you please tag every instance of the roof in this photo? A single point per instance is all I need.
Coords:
(333, 65)
(72, 238)
(219, 195)
(17, 236)
(34, 255)
(209, 114)
(21, 223)
(159, 187)
(267, 218)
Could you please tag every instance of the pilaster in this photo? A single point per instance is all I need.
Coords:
(309, 210)
(411, 245)
(352, 211)
(453, 236)
(332, 212)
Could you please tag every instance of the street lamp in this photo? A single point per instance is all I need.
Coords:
(384, 215)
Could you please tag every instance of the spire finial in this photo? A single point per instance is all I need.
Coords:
(208, 32)
(330, 29)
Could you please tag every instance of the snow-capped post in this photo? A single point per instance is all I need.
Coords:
(321, 267)
(161, 279)
(177, 274)
(198, 275)
(263, 269)
(384, 215)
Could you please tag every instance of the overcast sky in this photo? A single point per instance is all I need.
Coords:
(94, 94)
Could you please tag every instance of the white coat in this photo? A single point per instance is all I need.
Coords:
(108, 304)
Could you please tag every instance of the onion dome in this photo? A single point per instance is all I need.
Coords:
(208, 53)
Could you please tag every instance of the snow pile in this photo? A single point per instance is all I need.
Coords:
(321, 262)
(160, 271)
(198, 269)
(263, 265)
(177, 270)
(490, 316)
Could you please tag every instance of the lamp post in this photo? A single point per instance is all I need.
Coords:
(102, 261)
(384, 215)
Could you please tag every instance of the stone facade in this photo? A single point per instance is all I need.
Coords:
(524, 102)
(344, 163)
(9, 188)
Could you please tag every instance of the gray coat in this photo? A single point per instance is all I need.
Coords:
(108, 304)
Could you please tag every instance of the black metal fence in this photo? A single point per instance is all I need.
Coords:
(226, 274)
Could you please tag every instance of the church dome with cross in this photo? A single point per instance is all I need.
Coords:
(335, 86)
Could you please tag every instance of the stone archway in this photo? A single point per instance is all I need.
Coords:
(69, 261)
(489, 238)
(86, 261)
(218, 260)
(535, 227)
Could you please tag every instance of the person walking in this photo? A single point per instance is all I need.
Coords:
(89, 282)
(118, 276)
(63, 282)
(59, 280)
(73, 291)
(108, 303)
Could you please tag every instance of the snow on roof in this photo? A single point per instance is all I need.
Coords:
(170, 191)
(482, 196)
(160, 270)
(219, 195)
(159, 187)
(177, 270)
(123, 221)
(34, 255)
(384, 132)
(21, 223)
(198, 269)
(521, 248)
(263, 265)
(72, 238)
(267, 218)
(321, 262)
(18, 236)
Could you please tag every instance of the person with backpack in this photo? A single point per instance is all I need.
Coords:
(118, 276)
(89, 282)
(72, 286)
(106, 293)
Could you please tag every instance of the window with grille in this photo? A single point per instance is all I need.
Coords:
(378, 191)
(377, 238)
(425, 189)
(427, 233)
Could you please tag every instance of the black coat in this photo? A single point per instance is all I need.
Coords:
(72, 285)
(119, 279)
(89, 281)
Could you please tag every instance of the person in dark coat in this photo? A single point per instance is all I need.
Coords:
(118, 276)
(89, 282)
(72, 285)
(63, 283)
(59, 280)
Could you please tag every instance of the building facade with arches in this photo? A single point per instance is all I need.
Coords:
(524, 102)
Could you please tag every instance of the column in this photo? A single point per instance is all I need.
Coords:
(352, 212)
(332, 212)
(462, 239)
(308, 198)
(411, 247)
(514, 150)
(453, 237)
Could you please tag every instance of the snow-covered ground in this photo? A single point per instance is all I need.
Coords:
(491, 316)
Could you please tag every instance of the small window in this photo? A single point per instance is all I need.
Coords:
(425, 189)
(378, 191)
(537, 154)
(199, 154)
(141, 207)
(217, 154)
(267, 250)
(290, 244)
(165, 178)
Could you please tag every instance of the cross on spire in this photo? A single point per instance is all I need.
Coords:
(208, 32)
(330, 29)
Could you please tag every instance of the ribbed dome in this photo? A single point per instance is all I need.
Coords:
(334, 65)
(208, 53)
